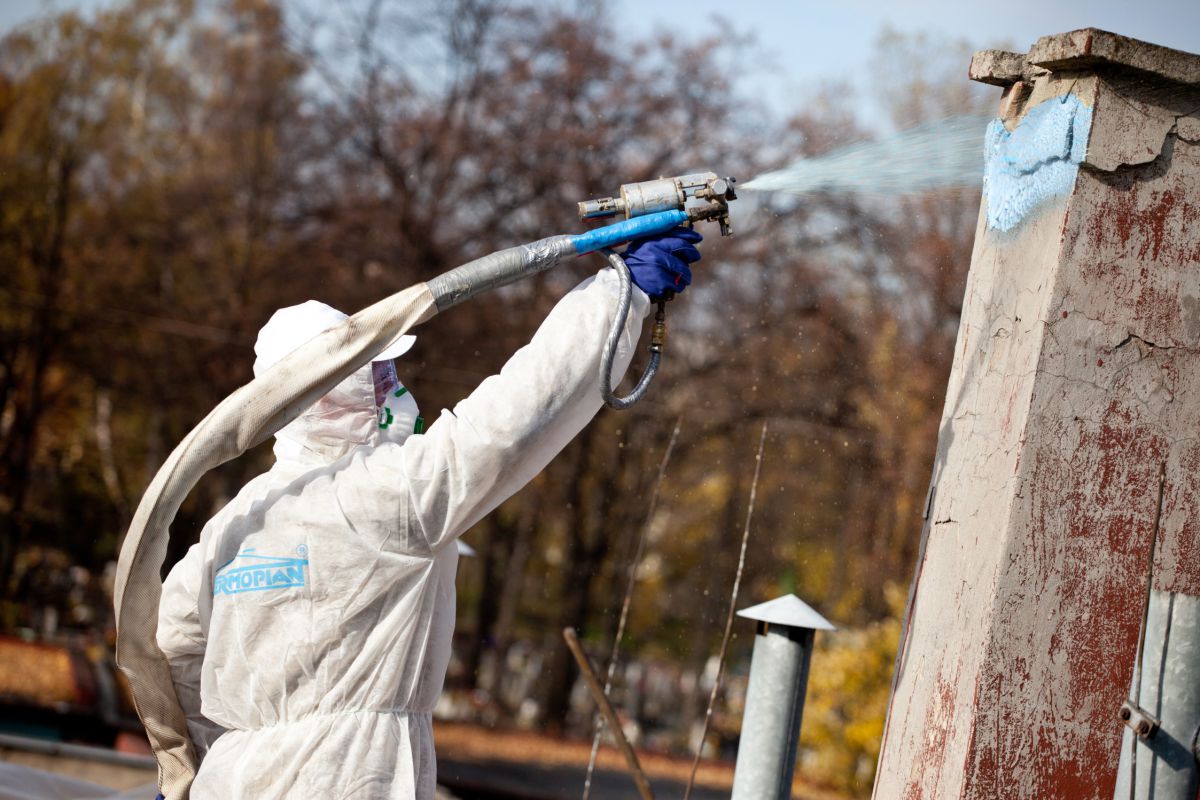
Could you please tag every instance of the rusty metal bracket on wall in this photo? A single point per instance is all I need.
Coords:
(1139, 720)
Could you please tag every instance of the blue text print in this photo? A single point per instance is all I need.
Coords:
(250, 572)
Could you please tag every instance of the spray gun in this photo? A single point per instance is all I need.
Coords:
(650, 207)
(711, 193)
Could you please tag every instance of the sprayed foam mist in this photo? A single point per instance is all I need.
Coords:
(939, 154)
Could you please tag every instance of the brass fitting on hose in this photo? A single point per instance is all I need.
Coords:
(658, 335)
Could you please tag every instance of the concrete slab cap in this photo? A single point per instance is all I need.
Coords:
(787, 610)
(1086, 48)
(1090, 47)
(997, 67)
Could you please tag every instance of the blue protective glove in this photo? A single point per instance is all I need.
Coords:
(659, 264)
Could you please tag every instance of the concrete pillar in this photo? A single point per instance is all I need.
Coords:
(1067, 481)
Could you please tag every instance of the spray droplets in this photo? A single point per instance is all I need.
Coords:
(935, 155)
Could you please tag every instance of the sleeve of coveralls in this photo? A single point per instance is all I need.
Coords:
(182, 640)
(499, 437)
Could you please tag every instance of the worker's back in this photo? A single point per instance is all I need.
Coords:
(324, 633)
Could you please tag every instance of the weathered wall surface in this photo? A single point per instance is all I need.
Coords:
(1068, 466)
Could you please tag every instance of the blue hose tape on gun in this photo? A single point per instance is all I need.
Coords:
(620, 232)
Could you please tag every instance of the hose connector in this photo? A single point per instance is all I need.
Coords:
(658, 334)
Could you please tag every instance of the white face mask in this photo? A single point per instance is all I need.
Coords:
(397, 408)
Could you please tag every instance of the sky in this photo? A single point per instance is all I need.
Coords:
(803, 43)
(815, 42)
(821, 39)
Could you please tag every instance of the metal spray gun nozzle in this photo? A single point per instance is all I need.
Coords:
(703, 195)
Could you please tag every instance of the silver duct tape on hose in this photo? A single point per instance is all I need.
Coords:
(498, 269)
(247, 417)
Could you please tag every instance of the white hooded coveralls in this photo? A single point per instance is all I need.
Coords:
(309, 629)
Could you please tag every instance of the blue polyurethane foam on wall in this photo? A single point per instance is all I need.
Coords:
(1036, 161)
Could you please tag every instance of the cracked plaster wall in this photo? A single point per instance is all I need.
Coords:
(1068, 462)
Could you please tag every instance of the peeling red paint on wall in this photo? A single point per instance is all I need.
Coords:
(1062, 643)
(936, 729)
(1138, 240)
(1177, 550)
(1132, 215)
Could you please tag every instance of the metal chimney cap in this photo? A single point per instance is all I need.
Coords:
(787, 610)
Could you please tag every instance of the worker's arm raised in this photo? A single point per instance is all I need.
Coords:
(508, 429)
(424, 493)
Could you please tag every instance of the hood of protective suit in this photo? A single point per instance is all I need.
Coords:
(369, 407)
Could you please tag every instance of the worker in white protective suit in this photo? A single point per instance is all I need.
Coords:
(309, 629)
